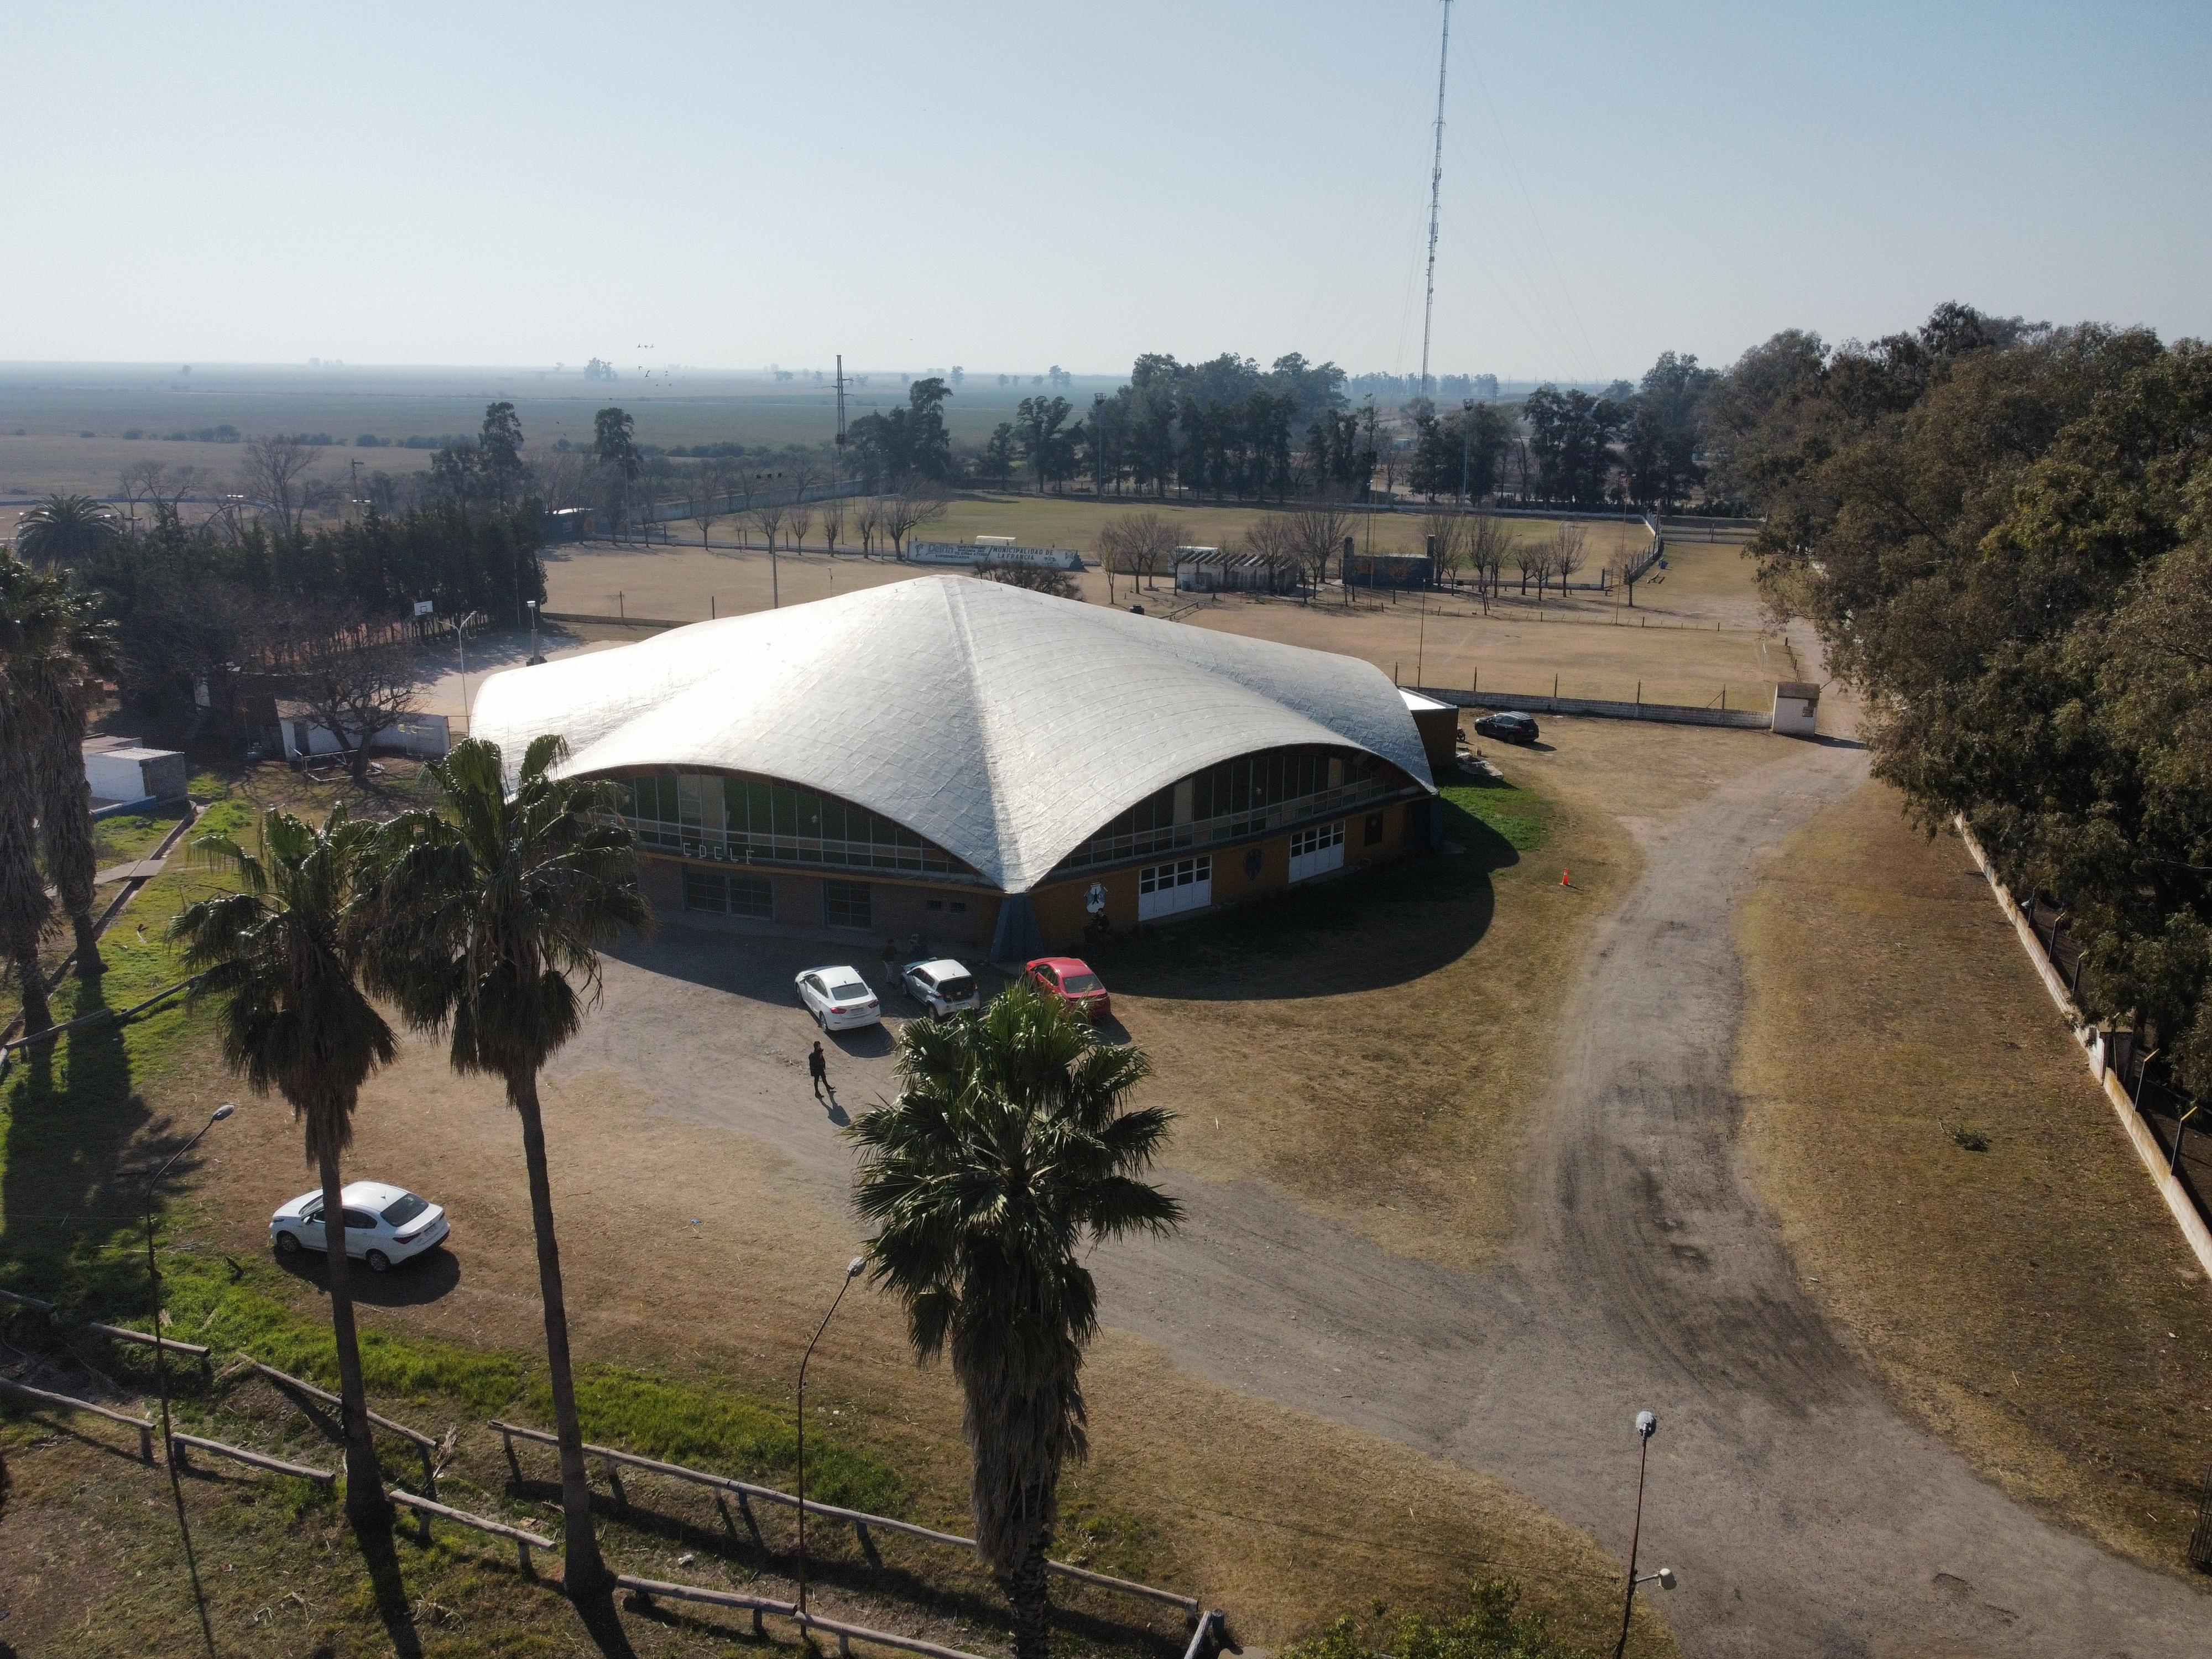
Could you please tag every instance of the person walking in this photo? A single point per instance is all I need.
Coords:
(818, 1068)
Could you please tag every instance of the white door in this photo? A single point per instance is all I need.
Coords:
(1316, 851)
(1167, 889)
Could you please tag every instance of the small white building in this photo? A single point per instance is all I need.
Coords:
(1796, 707)
(127, 771)
(427, 735)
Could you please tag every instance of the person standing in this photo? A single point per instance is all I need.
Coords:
(818, 1068)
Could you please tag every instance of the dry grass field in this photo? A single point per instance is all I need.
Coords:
(2033, 1301)
(1694, 639)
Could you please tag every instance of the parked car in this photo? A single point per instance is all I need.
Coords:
(941, 987)
(1508, 726)
(385, 1225)
(838, 998)
(1069, 979)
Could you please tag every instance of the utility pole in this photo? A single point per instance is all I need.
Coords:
(1467, 449)
(1435, 191)
(1098, 442)
(840, 405)
(352, 506)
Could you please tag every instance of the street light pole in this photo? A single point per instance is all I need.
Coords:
(853, 1270)
(1647, 1425)
(536, 655)
(161, 1353)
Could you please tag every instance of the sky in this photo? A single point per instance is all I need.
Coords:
(1010, 186)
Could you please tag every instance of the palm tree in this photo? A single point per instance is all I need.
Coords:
(28, 600)
(53, 683)
(1008, 1148)
(489, 918)
(286, 949)
(65, 530)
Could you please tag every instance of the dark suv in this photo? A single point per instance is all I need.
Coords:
(1508, 727)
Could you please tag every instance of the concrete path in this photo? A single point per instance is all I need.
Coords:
(1806, 1516)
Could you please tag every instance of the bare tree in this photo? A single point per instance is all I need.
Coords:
(708, 499)
(273, 466)
(1446, 534)
(1626, 568)
(353, 683)
(867, 522)
(801, 524)
(833, 522)
(1569, 544)
(1136, 545)
(913, 502)
(1315, 537)
(1531, 558)
(1028, 574)
(1487, 540)
(768, 515)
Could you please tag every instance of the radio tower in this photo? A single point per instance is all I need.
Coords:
(1436, 191)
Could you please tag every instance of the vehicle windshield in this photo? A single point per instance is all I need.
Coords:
(405, 1209)
(1078, 984)
(851, 991)
(956, 988)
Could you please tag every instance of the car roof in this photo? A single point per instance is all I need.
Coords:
(371, 1194)
(940, 967)
(832, 972)
(1066, 964)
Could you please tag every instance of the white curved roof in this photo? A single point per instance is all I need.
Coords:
(1006, 727)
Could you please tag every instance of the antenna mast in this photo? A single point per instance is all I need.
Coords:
(1436, 190)
(841, 400)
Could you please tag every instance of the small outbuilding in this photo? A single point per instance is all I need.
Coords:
(1438, 725)
(1211, 570)
(129, 772)
(1796, 707)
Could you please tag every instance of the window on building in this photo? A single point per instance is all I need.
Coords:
(739, 894)
(1371, 834)
(846, 904)
(752, 897)
(1317, 850)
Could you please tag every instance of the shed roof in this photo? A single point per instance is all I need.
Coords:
(1006, 726)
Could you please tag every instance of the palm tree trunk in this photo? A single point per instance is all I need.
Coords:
(1029, 1591)
(65, 826)
(24, 906)
(584, 1573)
(365, 1501)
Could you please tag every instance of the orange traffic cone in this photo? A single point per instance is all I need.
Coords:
(1564, 882)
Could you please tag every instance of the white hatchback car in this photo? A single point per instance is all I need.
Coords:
(941, 987)
(838, 998)
(385, 1225)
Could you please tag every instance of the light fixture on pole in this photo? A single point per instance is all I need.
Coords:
(536, 655)
(1647, 1425)
(853, 1271)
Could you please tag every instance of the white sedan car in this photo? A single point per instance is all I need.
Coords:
(942, 987)
(385, 1225)
(838, 998)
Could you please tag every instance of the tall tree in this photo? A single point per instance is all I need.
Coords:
(65, 531)
(499, 451)
(284, 950)
(29, 600)
(611, 441)
(1010, 1148)
(51, 680)
(275, 467)
(489, 915)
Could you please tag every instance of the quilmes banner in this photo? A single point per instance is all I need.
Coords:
(971, 553)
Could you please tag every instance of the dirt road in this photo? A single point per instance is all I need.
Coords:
(1805, 1516)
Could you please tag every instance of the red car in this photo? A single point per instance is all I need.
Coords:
(1069, 979)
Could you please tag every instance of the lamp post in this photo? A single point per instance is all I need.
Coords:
(853, 1270)
(536, 655)
(161, 1354)
(1647, 1425)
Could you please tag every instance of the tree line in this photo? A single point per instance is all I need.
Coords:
(2002, 531)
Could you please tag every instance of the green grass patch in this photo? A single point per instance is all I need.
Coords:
(1519, 818)
(706, 1428)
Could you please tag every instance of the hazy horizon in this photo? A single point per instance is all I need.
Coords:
(506, 188)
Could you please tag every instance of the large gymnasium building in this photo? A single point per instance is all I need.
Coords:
(977, 764)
